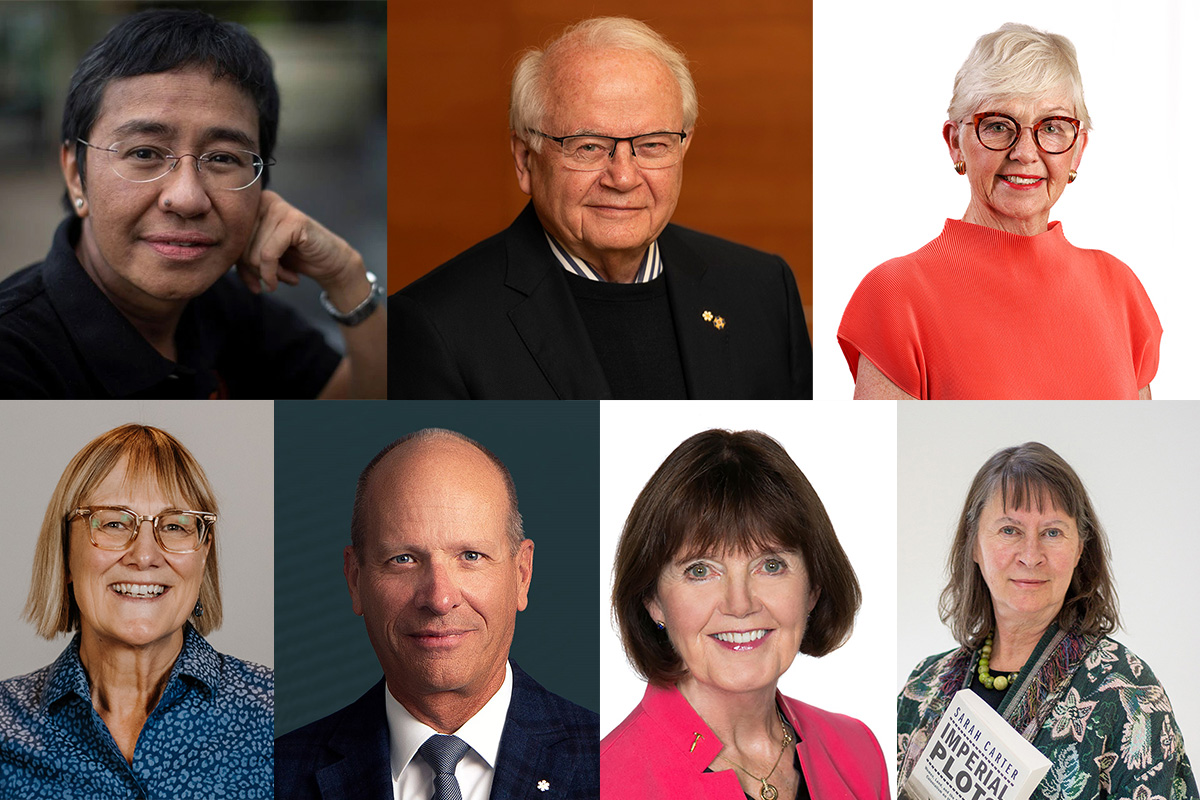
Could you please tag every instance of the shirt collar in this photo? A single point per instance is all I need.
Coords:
(481, 732)
(118, 355)
(197, 661)
(651, 266)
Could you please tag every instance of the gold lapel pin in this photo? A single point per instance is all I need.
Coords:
(707, 316)
(696, 741)
(543, 786)
(719, 323)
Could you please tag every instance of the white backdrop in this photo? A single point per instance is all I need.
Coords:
(896, 62)
(234, 443)
(848, 453)
(1140, 463)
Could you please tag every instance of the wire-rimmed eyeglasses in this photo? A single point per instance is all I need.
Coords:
(1052, 135)
(140, 162)
(589, 152)
(175, 530)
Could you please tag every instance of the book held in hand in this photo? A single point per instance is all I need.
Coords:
(975, 755)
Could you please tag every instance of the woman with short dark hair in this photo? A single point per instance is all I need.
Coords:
(729, 566)
(1031, 601)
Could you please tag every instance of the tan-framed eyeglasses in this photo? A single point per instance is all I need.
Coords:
(175, 530)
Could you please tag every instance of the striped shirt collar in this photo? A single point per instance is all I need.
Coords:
(650, 268)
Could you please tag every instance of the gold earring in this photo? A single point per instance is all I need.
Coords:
(1071, 176)
(960, 167)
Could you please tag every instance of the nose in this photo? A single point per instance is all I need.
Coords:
(438, 592)
(183, 191)
(739, 596)
(622, 172)
(1031, 554)
(144, 550)
(1024, 149)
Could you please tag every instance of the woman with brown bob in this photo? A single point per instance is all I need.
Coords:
(139, 704)
(1031, 600)
(727, 567)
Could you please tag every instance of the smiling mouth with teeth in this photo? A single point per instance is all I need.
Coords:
(138, 589)
(740, 637)
(1020, 181)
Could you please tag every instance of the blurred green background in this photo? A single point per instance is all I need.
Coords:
(330, 63)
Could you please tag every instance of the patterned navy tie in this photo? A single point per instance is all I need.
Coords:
(443, 754)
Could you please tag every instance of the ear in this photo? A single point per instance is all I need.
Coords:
(525, 568)
(655, 609)
(521, 156)
(951, 132)
(70, 171)
(688, 141)
(814, 595)
(1080, 144)
(351, 571)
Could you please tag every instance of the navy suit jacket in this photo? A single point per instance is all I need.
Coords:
(499, 322)
(345, 756)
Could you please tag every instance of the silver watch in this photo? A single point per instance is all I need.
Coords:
(361, 311)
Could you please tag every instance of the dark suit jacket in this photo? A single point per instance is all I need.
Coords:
(346, 756)
(499, 322)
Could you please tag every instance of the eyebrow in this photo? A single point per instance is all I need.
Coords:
(215, 133)
(1017, 522)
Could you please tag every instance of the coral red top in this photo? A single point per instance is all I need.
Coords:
(979, 313)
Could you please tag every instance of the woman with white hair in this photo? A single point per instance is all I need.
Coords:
(1001, 305)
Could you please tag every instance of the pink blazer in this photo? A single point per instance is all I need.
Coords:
(651, 754)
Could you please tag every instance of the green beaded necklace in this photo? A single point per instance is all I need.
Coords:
(999, 682)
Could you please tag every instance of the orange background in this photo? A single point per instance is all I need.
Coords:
(451, 180)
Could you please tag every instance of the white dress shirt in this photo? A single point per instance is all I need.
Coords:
(412, 777)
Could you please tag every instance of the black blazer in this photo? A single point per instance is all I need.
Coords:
(345, 756)
(499, 322)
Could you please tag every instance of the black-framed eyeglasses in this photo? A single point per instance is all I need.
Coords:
(1052, 135)
(142, 162)
(175, 530)
(588, 152)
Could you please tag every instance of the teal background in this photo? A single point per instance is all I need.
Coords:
(323, 660)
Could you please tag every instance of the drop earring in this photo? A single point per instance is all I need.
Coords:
(198, 611)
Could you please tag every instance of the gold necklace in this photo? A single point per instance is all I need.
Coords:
(768, 791)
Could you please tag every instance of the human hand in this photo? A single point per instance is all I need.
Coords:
(287, 243)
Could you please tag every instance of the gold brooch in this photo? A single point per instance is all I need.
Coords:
(707, 316)
(719, 323)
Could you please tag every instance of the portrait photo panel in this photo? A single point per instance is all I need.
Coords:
(551, 449)
(233, 444)
(847, 453)
(1139, 463)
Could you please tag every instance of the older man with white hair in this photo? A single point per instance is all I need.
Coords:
(591, 292)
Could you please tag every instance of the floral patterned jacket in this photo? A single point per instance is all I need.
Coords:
(1089, 704)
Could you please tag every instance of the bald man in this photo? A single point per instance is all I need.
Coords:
(438, 567)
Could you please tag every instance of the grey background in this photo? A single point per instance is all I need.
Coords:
(330, 65)
(233, 443)
(552, 450)
(1140, 463)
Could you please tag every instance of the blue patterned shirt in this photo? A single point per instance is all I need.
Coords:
(211, 734)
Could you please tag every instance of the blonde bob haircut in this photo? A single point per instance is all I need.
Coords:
(1029, 476)
(1017, 62)
(152, 456)
(530, 99)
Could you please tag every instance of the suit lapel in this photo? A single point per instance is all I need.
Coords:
(362, 739)
(523, 761)
(703, 344)
(547, 320)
